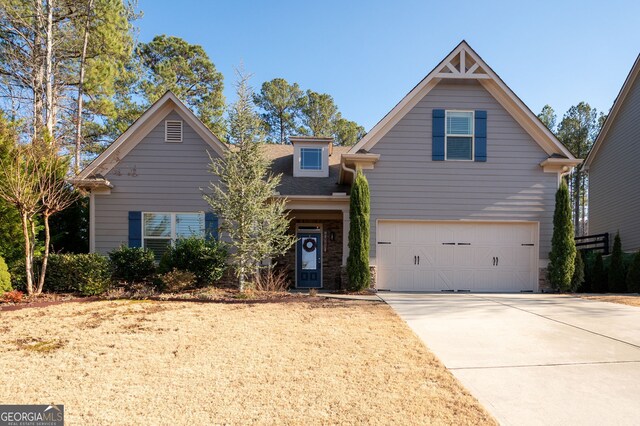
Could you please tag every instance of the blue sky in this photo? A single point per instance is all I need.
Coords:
(369, 54)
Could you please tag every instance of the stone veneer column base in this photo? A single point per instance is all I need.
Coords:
(543, 281)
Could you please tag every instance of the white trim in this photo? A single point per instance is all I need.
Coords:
(320, 232)
(617, 104)
(537, 259)
(106, 161)
(525, 117)
(473, 138)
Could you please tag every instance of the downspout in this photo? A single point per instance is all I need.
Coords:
(350, 170)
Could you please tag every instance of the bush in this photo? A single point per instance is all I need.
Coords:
(275, 280)
(578, 273)
(132, 264)
(617, 273)
(206, 259)
(599, 276)
(358, 273)
(5, 277)
(633, 276)
(563, 246)
(13, 296)
(87, 274)
(176, 281)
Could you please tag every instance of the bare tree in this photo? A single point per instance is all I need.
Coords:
(20, 187)
(55, 196)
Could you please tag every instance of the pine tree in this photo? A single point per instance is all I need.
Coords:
(578, 273)
(633, 276)
(563, 246)
(617, 275)
(358, 260)
(255, 222)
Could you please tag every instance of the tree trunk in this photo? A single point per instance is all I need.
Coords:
(50, 113)
(28, 256)
(45, 257)
(281, 127)
(38, 71)
(83, 57)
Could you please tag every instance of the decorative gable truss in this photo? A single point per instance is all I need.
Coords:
(461, 65)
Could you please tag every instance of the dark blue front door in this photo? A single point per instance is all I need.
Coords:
(309, 248)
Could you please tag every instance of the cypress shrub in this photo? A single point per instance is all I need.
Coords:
(358, 260)
(577, 280)
(617, 274)
(5, 277)
(599, 276)
(563, 245)
(633, 276)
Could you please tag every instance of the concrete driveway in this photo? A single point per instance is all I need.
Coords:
(534, 358)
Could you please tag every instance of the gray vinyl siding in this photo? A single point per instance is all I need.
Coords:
(614, 176)
(168, 178)
(407, 184)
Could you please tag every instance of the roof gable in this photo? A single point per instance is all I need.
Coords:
(106, 161)
(617, 105)
(464, 63)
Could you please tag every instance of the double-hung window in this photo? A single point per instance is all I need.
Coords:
(459, 135)
(159, 230)
(310, 158)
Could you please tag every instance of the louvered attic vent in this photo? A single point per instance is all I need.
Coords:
(173, 131)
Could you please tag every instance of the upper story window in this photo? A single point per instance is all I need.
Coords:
(173, 131)
(311, 158)
(459, 135)
(159, 230)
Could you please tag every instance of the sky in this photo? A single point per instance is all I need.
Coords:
(369, 54)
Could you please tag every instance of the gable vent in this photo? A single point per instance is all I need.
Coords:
(173, 131)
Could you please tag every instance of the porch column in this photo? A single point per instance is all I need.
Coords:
(345, 235)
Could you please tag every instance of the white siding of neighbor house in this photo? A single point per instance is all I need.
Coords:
(614, 176)
(510, 185)
(156, 176)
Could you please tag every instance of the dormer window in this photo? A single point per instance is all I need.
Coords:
(311, 158)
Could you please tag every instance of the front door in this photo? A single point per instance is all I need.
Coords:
(309, 262)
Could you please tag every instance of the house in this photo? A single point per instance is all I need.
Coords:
(614, 176)
(462, 178)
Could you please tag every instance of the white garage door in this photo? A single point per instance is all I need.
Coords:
(466, 256)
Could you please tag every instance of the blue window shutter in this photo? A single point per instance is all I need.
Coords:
(135, 229)
(437, 130)
(481, 136)
(211, 225)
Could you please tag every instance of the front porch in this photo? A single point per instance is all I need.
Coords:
(320, 253)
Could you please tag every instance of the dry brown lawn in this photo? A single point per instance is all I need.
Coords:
(301, 362)
(627, 299)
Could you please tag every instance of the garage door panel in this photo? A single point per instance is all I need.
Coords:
(470, 264)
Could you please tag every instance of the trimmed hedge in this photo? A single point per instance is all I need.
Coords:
(132, 264)
(206, 259)
(87, 274)
(5, 277)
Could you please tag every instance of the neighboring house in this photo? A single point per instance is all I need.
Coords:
(614, 174)
(462, 177)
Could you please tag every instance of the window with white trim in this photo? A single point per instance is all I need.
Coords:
(310, 158)
(458, 144)
(173, 131)
(160, 230)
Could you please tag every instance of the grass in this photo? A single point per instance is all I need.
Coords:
(627, 299)
(300, 362)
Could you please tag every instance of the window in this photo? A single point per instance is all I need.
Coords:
(311, 158)
(173, 131)
(159, 230)
(459, 135)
